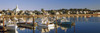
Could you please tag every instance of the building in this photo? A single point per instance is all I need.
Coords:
(16, 10)
(96, 12)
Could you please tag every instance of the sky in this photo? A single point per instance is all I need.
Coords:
(49, 4)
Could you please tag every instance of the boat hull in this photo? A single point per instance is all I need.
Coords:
(63, 23)
(11, 27)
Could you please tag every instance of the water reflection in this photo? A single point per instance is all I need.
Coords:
(78, 25)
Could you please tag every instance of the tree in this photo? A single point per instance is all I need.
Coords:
(37, 12)
(43, 10)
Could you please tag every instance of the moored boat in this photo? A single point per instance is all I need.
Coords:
(63, 21)
(10, 25)
(44, 22)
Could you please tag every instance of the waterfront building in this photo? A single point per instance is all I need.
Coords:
(31, 13)
(61, 12)
(80, 12)
(57, 13)
(68, 12)
(96, 12)
(77, 12)
(84, 12)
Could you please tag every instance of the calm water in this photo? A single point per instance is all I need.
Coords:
(82, 25)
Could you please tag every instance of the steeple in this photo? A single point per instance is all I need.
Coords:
(16, 9)
(16, 6)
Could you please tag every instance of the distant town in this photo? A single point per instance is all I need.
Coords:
(17, 11)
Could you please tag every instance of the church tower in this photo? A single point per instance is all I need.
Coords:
(16, 10)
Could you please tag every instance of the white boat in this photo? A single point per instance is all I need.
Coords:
(44, 22)
(51, 26)
(42, 25)
(63, 21)
(41, 22)
(12, 31)
(29, 20)
(21, 20)
(11, 25)
(15, 19)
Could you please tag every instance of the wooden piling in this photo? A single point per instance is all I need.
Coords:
(56, 25)
(74, 29)
(3, 25)
(33, 24)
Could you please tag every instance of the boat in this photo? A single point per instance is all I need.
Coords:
(29, 21)
(14, 19)
(63, 21)
(44, 22)
(21, 20)
(10, 25)
(12, 31)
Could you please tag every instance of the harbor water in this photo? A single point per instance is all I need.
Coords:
(79, 25)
